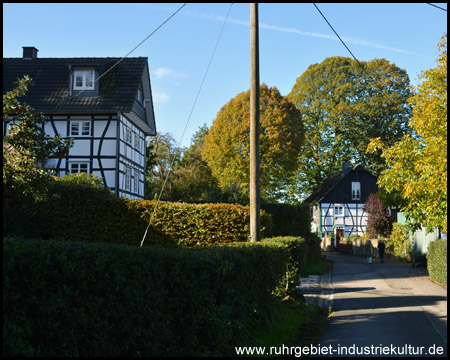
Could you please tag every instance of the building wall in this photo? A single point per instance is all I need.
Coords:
(342, 193)
(347, 216)
(114, 149)
(131, 159)
(97, 150)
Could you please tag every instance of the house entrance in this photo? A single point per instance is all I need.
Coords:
(339, 236)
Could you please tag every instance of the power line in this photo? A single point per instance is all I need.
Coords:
(437, 6)
(342, 41)
(185, 127)
(117, 63)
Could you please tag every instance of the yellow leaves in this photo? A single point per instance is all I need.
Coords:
(374, 145)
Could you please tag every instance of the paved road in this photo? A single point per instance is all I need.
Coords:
(385, 308)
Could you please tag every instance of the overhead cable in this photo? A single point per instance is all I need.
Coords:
(437, 6)
(117, 63)
(187, 122)
(342, 41)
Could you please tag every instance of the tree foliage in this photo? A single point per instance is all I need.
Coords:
(379, 220)
(343, 106)
(227, 144)
(162, 156)
(26, 147)
(416, 174)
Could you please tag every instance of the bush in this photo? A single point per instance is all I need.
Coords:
(200, 224)
(289, 220)
(379, 220)
(81, 299)
(352, 237)
(82, 212)
(296, 257)
(398, 243)
(437, 261)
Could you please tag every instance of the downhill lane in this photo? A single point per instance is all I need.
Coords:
(385, 309)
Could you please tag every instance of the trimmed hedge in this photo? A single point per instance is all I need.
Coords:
(200, 224)
(78, 212)
(289, 220)
(86, 299)
(437, 261)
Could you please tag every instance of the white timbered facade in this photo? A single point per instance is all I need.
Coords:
(337, 206)
(109, 120)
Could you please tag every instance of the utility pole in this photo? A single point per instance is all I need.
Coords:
(255, 220)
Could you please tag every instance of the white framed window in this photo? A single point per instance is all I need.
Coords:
(127, 178)
(136, 181)
(136, 141)
(356, 191)
(338, 210)
(140, 95)
(128, 136)
(78, 167)
(83, 79)
(80, 128)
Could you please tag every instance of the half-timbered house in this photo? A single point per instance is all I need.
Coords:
(104, 104)
(337, 206)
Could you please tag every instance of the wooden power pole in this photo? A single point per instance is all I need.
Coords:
(255, 221)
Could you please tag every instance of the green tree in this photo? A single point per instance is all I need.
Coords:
(26, 147)
(227, 147)
(343, 106)
(416, 173)
(163, 155)
(193, 179)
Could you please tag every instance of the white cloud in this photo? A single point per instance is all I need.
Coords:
(294, 30)
(160, 97)
(165, 72)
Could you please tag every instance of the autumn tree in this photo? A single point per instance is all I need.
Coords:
(227, 147)
(345, 103)
(416, 173)
(379, 220)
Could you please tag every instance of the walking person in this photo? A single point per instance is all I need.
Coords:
(381, 247)
(369, 251)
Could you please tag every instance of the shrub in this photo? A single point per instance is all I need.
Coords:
(398, 243)
(200, 224)
(82, 212)
(379, 220)
(352, 237)
(437, 261)
(81, 299)
(289, 220)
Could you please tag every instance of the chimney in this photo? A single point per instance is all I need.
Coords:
(345, 165)
(29, 52)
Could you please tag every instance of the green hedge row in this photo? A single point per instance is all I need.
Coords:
(200, 224)
(94, 299)
(289, 220)
(437, 261)
(79, 212)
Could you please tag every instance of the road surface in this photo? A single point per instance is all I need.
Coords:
(383, 309)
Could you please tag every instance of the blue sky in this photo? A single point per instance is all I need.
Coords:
(292, 37)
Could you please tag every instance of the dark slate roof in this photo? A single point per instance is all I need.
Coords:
(330, 183)
(50, 92)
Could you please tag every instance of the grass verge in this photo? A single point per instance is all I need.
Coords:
(298, 324)
(294, 327)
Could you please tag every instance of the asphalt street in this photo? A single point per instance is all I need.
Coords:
(383, 309)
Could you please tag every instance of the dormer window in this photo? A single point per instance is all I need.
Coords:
(356, 191)
(83, 79)
(140, 95)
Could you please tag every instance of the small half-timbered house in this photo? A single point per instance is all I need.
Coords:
(103, 104)
(337, 206)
